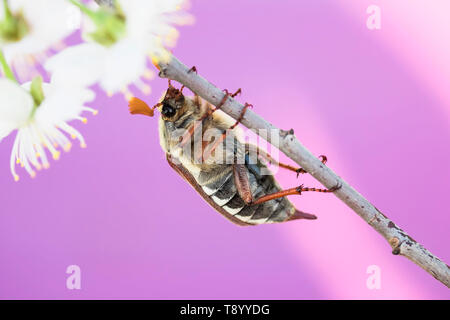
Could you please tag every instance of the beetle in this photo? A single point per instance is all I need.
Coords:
(241, 191)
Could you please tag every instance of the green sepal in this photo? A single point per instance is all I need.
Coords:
(36, 90)
(110, 23)
(14, 26)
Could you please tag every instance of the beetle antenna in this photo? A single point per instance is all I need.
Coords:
(137, 106)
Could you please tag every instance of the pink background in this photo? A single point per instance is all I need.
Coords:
(377, 103)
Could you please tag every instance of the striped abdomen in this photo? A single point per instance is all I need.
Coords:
(222, 191)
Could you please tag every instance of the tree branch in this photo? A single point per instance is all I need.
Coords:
(399, 240)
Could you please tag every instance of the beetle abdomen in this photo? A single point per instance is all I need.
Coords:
(223, 192)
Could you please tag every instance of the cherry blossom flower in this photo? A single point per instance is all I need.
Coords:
(29, 28)
(40, 113)
(119, 44)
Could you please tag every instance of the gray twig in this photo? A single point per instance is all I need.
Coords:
(399, 240)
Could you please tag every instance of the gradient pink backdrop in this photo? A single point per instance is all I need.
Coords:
(377, 103)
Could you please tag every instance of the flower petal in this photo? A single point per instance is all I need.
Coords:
(48, 22)
(80, 65)
(46, 132)
(124, 64)
(62, 103)
(16, 105)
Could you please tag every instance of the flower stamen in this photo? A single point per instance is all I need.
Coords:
(127, 93)
(148, 74)
(143, 87)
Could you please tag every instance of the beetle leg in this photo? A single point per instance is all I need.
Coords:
(269, 159)
(242, 183)
(222, 137)
(293, 191)
(193, 69)
(238, 91)
(323, 159)
(241, 116)
(187, 136)
(225, 97)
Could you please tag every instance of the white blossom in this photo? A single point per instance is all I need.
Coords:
(30, 29)
(120, 59)
(42, 126)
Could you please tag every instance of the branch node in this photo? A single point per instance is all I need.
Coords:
(395, 244)
(162, 73)
(285, 133)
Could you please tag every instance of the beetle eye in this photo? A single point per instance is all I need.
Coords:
(168, 111)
